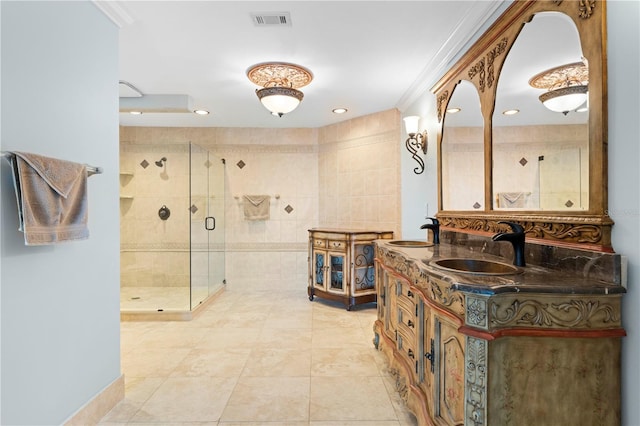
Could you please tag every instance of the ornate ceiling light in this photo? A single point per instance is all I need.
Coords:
(279, 81)
(567, 86)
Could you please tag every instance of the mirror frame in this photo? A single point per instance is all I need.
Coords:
(481, 65)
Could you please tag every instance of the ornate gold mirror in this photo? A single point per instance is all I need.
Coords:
(545, 166)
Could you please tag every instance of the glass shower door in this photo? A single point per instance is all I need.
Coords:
(207, 224)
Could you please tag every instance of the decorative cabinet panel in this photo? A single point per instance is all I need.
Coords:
(341, 265)
(468, 351)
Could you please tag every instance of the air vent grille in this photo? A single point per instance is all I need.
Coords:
(270, 19)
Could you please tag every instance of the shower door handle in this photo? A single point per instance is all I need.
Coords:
(209, 223)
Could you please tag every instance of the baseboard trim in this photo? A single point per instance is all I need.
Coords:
(93, 411)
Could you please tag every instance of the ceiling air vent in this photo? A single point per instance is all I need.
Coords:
(270, 19)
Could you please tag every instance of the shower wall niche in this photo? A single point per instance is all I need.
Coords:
(172, 235)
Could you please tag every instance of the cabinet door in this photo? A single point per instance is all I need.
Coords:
(449, 370)
(363, 272)
(337, 278)
(319, 269)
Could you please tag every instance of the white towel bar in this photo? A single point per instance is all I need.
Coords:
(91, 170)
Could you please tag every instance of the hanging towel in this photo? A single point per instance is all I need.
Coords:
(513, 200)
(256, 207)
(52, 198)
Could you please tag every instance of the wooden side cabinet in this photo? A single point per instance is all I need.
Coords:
(341, 265)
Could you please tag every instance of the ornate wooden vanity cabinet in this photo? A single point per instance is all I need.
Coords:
(536, 348)
(341, 264)
(541, 346)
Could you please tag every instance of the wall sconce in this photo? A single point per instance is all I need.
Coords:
(415, 141)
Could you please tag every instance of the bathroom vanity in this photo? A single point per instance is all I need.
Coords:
(341, 264)
(471, 339)
(508, 346)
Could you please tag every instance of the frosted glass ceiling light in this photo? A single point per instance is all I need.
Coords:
(567, 87)
(280, 81)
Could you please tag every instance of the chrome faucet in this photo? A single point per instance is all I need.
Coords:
(516, 238)
(435, 228)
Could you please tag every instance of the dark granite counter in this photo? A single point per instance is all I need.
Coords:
(579, 273)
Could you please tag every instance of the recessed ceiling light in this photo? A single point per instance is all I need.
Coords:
(201, 112)
(511, 112)
(135, 112)
(454, 110)
(339, 110)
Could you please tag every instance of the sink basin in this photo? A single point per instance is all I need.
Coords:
(410, 243)
(475, 266)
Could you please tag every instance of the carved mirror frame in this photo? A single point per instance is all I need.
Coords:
(589, 229)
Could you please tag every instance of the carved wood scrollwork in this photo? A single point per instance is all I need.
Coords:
(441, 100)
(596, 233)
(586, 8)
(571, 314)
(476, 383)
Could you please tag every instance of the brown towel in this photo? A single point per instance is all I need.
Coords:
(52, 198)
(256, 207)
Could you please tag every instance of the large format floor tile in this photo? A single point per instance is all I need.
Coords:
(258, 359)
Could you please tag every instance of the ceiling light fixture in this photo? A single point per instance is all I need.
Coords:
(567, 86)
(511, 111)
(339, 110)
(279, 81)
(415, 141)
(453, 110)
(201, 112)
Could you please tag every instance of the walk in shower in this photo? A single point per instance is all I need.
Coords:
(172, 243)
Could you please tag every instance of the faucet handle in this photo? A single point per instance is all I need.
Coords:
(515, 227)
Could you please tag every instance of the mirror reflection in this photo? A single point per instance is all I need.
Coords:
(540, 155)
(462, 151)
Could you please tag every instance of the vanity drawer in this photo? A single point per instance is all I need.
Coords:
(407, 303)
(407, 318)
(320, 243)
(337, 245)
(406, 341)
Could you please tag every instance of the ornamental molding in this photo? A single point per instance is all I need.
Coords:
(475, 390)
(587, 230)
(575, 313)
(476, 315)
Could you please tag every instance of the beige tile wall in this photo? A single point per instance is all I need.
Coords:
(359, 173)
(344, 175)
(565, 151)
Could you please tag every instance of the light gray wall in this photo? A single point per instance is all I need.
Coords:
(59, 304)
(624, 189)
(623, 37)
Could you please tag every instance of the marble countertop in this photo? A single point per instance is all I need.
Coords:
(530, 278)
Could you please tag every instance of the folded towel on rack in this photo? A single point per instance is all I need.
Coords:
(256, 207)
(52, 198)
(513, 200)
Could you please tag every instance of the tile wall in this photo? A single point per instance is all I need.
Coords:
(344, 175)
(541, 167)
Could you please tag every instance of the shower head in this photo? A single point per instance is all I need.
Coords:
(161, 161)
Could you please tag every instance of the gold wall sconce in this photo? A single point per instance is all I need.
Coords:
(416, 141)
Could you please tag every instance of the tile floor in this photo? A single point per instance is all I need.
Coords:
(258, 359)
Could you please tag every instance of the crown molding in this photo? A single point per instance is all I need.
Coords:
(115, 11)
(469, 28)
